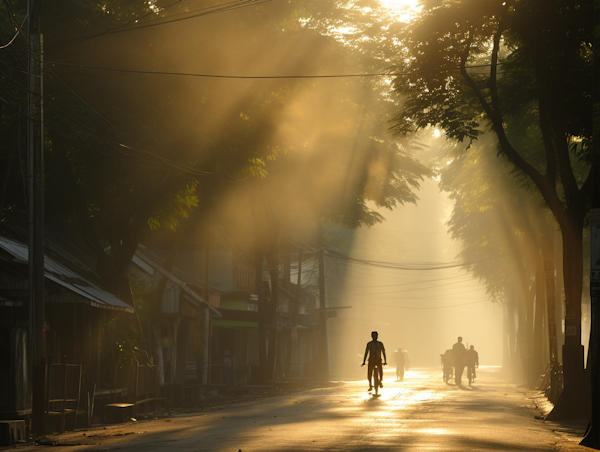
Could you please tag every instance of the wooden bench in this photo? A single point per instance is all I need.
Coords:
(144, 393)
(118, 412)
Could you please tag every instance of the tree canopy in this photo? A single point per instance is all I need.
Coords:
(129, 149)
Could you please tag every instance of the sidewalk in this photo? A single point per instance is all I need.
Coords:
(570, 432)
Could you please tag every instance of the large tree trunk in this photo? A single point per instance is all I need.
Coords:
(524, 333)
(513, 345)
(574, 401)
(548, 258)
(573, 280)
(537, 363)
(506, 365)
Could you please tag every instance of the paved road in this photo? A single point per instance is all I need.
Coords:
(419, 414)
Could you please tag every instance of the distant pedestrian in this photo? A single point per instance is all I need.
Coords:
(400, 363)
(458, 359)
(446, 360)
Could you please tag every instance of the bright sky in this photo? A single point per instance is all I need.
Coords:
(399, 4)
(402, 8)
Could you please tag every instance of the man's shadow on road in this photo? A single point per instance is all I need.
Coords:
(373, 404)
(468, 388)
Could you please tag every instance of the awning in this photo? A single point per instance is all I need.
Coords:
(61, 275)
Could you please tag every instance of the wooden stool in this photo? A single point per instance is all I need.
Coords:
(11, 432)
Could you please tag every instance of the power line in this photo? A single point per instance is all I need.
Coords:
(255, 77)
(121, 147)
(16, 34)
(425, 307)
(231, 6)
(369, 290)
(403, 266)
(54, 74)
(120, 28)
(238, 4)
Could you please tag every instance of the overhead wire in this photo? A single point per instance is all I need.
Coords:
(364, 290)
(403, 266)
(256, 77)
(216, 9)
(425, 307)
(54, 126)
(54, 74)
(121, 147)
(231, 6)
(16, 34)
(418, 289)
(420, 282)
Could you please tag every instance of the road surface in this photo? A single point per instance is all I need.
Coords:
(420, 414)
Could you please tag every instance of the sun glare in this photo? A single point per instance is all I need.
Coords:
(404, 9)
(399, 4)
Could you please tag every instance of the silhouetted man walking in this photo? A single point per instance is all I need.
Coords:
(458, 356)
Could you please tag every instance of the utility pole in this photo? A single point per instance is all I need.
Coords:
(294, 306)
(206, 335)
(35, 183)
(262, 311)
(322, 306)
(592, 439)
(35, 179)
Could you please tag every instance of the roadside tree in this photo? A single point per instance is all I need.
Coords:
(470, 65)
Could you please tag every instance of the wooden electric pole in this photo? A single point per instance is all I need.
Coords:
(35, 188)
(35, 180)
(294, 307)
(206, 330)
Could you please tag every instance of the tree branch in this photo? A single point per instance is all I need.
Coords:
(546, 186)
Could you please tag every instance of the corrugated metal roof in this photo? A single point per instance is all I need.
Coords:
(143, 265)
(195, 298)
(92, 295)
